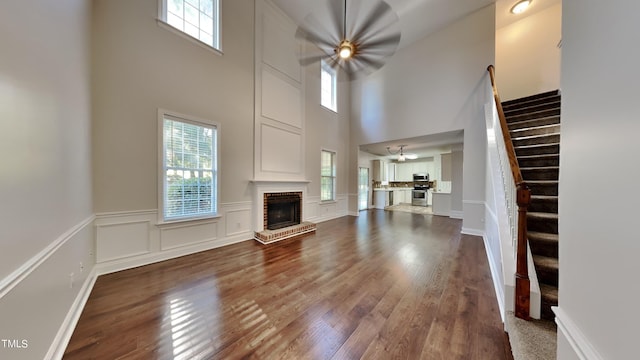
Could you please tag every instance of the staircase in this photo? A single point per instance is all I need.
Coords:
(534, 125)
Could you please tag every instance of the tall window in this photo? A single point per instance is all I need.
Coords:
(198, 18)
(328, 176)
(189, 168)
(328, 87)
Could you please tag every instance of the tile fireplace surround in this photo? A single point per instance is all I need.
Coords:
(261, 187)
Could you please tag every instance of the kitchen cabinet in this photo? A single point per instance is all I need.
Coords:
(402, 196)
(446, 167)
(404, 172)
(441, 204)
(391, 171)
(380, 171)
(380, 198)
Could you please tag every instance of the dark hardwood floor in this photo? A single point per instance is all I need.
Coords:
(384, 285)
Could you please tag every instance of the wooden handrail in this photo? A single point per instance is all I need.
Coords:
(523, 199)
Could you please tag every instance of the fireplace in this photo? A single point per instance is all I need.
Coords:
(279, 211)
(282, 209)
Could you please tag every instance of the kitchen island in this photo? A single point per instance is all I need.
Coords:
(441, 203)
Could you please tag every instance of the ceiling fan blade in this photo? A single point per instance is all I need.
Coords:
(381, 10)
(310, 59)
(390, 41)
(321, 40)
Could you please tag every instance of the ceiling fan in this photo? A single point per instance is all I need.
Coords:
(403, 156)
(357, 38)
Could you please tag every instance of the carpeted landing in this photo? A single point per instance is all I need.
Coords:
(531, 340)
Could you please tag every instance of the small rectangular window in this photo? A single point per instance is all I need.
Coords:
(189, 168)
(199, 19)
(328, 86)
(328, 176)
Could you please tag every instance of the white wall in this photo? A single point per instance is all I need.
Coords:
(599, 244)
(457, 183)
(138, 67)
(430, 87)
(527, 55)
(45, 181)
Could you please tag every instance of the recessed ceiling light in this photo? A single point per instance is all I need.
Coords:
(520, 7)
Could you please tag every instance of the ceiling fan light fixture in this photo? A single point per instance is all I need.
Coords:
(520, 7)
(346, 49)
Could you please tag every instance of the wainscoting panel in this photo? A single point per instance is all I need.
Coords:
(319, 211)
(281, 100)
(275, 52)
(134, 238)
(280, 151)
(173, 236)
(41, 301)
(238, 222)
(125, 239)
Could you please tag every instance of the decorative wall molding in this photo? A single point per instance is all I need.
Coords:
(134, 238)
(30, 265)
(320, 211)
(571, 332)
(59, 345)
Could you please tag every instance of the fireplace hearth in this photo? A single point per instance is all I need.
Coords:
(282, 215)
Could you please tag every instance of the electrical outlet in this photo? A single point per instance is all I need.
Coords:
(81, 267)
(71, 280)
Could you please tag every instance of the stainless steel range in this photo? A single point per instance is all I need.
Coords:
(419, 194)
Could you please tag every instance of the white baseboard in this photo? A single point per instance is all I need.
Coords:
(571, 332)
(495, 276)
(59, 345)
(455, 214)
(469, 231)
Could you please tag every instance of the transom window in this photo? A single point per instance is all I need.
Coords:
(328, 87)
(196, 18)
(328, 176)
(189, 168)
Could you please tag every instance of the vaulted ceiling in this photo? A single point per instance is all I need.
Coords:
(420, 18)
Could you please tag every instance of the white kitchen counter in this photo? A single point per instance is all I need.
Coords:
(441, 203)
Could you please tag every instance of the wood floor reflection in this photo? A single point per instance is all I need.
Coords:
(384, 285)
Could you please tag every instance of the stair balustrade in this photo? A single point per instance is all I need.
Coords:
(518, 198)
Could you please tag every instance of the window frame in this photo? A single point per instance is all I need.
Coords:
(162, 21)
(333, 176)
(333, 106)
(162, 113)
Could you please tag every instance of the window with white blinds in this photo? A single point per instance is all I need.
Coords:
(189, 168)
(199, 19)
(328, 176)
(328, 87)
